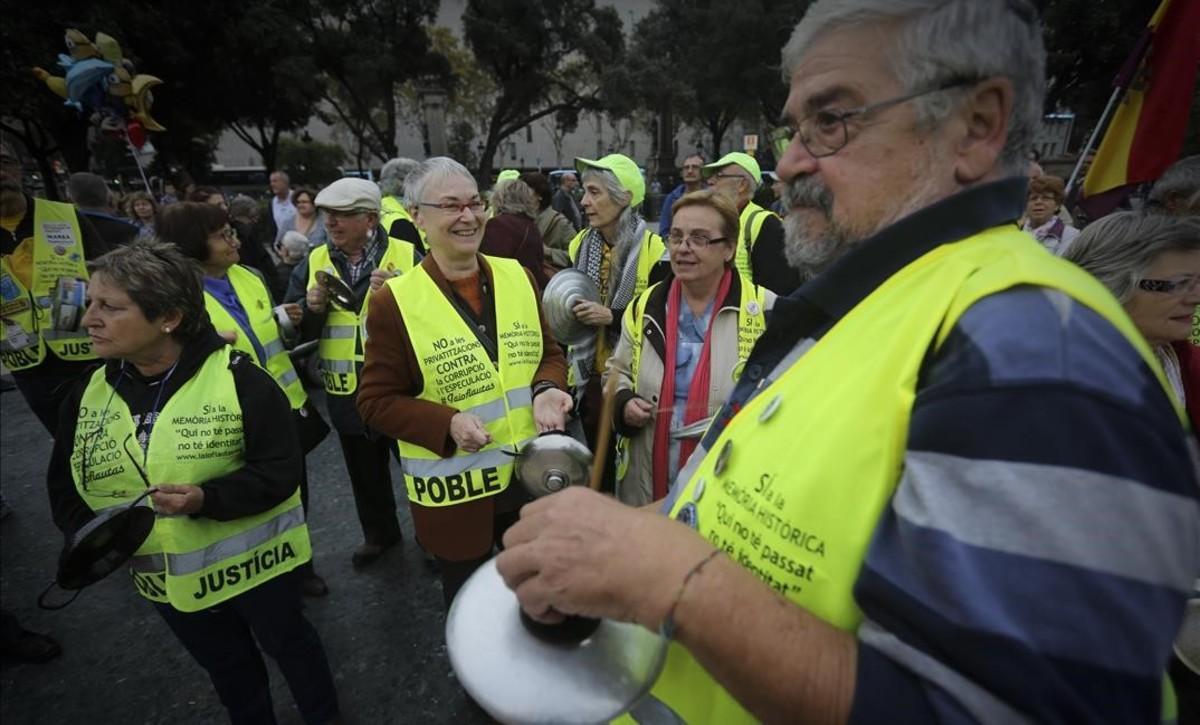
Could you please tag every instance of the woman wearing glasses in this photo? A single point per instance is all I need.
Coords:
(1151, 263)
(1045, 200)
(243, 312)
(461, 370)
(177, 410)
(681, 344)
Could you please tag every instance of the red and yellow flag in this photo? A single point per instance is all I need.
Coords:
(1147, 130)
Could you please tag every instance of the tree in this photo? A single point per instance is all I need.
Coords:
(1079, 69)
(708, 63)
(365, 51)
(470, 94)
(269, 76)
(544, 56)
(308, 162)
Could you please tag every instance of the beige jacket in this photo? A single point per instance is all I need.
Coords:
(636, 486)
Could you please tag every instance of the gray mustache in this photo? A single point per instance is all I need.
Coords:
(807, 192)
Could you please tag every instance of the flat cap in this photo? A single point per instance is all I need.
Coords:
(349, 194)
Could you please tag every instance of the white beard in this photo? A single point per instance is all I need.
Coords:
(810, 251)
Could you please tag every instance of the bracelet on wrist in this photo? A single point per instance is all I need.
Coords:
(668, 626)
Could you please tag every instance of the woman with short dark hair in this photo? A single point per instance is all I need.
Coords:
(242, 309)
(142, 210)
(1045, 200)
(308, 221)
(177, 411)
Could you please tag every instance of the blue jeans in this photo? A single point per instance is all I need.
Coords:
(222, 640)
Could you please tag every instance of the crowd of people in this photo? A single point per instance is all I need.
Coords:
(907, 446)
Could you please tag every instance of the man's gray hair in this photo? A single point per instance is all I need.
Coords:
(393, 174)
(88, 191)
(515, 197)
(1179, 183)
(295, 242)
(243, 207)
(620, 195)
(160, 280)
(437, 168)
(941, 40)
(1118, 248)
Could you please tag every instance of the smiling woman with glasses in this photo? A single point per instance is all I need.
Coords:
(460, 371)
(177, 413)
(1151, 263)
(682, 344)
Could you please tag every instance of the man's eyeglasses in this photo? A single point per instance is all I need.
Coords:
(343, 213)
(453, 207)
(726, 176)
(1179, 286)
(824, 133)
(694, 240)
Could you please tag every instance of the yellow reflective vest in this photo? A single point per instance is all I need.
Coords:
(749, 224)
(778, 515)
(752, 321)
(192, 563)
(457, 372)
(653, 250)
(256, 301)
(340, 352)
(27, 311)
(392, 209)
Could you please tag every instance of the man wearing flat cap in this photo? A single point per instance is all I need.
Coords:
(333, 285)
(760, 235)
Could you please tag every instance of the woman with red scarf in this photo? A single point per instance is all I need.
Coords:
(682, 344)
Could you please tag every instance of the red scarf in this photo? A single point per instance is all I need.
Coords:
(697, 400)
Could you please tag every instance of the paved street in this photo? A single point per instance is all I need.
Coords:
(382, 627)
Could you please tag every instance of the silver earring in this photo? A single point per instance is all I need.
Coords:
(166, 329)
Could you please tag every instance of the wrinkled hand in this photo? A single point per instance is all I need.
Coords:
(638, 412)
(229, 336)
(592, 313)
(550, 410)
(294, 312)
(468, 432)
(316, 299)
(379, 277)
(580, 552)
(173, 499)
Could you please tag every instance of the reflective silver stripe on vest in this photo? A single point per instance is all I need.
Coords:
(426, 468)
(148, 563)
(199, 560)
(520, 397)
(288, 377)
(652, 711)
(273, 348)
(339, 332)
(337, 366)
(495, 410)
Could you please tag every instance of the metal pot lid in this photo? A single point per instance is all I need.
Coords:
(104, 544)
(551, 462)
(519, 678)
(564, 290)
(337, 290)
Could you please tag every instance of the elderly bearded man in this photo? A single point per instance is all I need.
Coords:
(951, 485)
